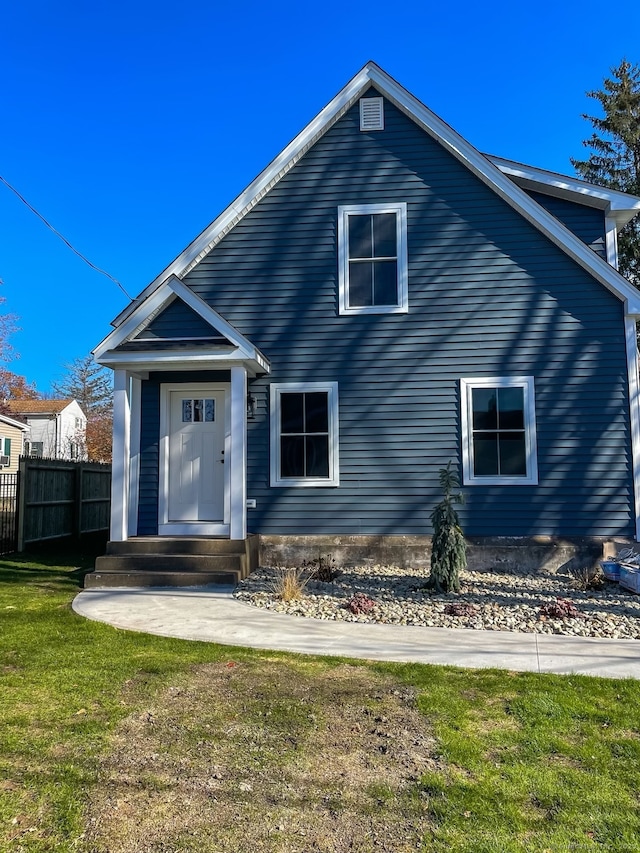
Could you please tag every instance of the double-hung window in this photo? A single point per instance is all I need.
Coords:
(499, 431)
(372, 258)
(304, 434)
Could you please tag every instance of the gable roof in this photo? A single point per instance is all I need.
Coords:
(488, 171)
(128, 344)
(37, 407)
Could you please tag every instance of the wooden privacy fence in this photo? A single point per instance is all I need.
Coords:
(8, 514)
(58, 499)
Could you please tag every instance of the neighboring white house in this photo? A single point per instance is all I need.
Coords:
(58, 428)
(14, 436)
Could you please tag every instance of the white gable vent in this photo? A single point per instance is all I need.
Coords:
(371, 114)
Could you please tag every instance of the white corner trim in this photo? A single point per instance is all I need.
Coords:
(466, 419)
(634, 411)
(400, 210)
(275, 390)
(121, 455)
(237, 454)
(611, 241)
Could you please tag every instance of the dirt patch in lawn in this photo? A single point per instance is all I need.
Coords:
(267, 756)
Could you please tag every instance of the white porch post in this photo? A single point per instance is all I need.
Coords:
(238, 459)
(121, 449)
(634, 406)
(134, 452)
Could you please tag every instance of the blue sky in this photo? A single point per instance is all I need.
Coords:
(130, 126)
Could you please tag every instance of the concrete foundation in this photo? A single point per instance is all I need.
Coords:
(534, 554)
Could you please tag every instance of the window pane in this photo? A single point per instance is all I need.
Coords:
(317, 455)
(360, 237)
(511, 408)
(513, 454)
(360, 276)
(198, 411)
(187, 411)
(384, 235)
(292, 413)
(292, 456)
(485, 453)
(484, 404)
(317, 412)
(385, 290)
(209, 410)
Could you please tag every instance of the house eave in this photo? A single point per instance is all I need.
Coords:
(144, 363)
(621, 207)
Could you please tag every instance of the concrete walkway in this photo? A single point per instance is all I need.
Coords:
(213, 615)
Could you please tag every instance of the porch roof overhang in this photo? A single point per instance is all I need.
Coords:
(228, 347)
(142, 363)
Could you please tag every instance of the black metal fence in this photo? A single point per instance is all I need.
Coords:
(8, 513)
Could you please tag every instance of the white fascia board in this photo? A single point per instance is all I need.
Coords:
(621, 206)
(152, 305)
(10, 422)
(142, 363)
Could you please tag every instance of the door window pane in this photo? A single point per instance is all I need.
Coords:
(187, 411)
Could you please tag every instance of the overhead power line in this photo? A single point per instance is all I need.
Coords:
(63, 238)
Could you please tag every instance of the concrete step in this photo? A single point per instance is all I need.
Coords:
(174, 561)
(176, 545)
(171, 563)
(101, 580)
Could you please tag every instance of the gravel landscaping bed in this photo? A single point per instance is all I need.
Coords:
(493, 600)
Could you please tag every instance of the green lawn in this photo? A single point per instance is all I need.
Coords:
(516, 761)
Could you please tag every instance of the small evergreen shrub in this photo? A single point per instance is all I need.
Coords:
(448, 548)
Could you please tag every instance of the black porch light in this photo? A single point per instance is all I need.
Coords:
(251, 407)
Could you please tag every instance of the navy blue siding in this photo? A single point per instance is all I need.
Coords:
(587, 223)
(178, 321)
(149, 459)
(488, 296)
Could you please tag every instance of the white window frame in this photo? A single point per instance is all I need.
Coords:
(344, 211)
(276, 391)
(528, 386)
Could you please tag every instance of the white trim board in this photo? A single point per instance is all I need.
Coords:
(463, 151)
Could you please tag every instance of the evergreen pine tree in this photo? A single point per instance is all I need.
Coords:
(448, 548)
(615, 153)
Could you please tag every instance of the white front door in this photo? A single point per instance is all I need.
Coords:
(193, 497)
